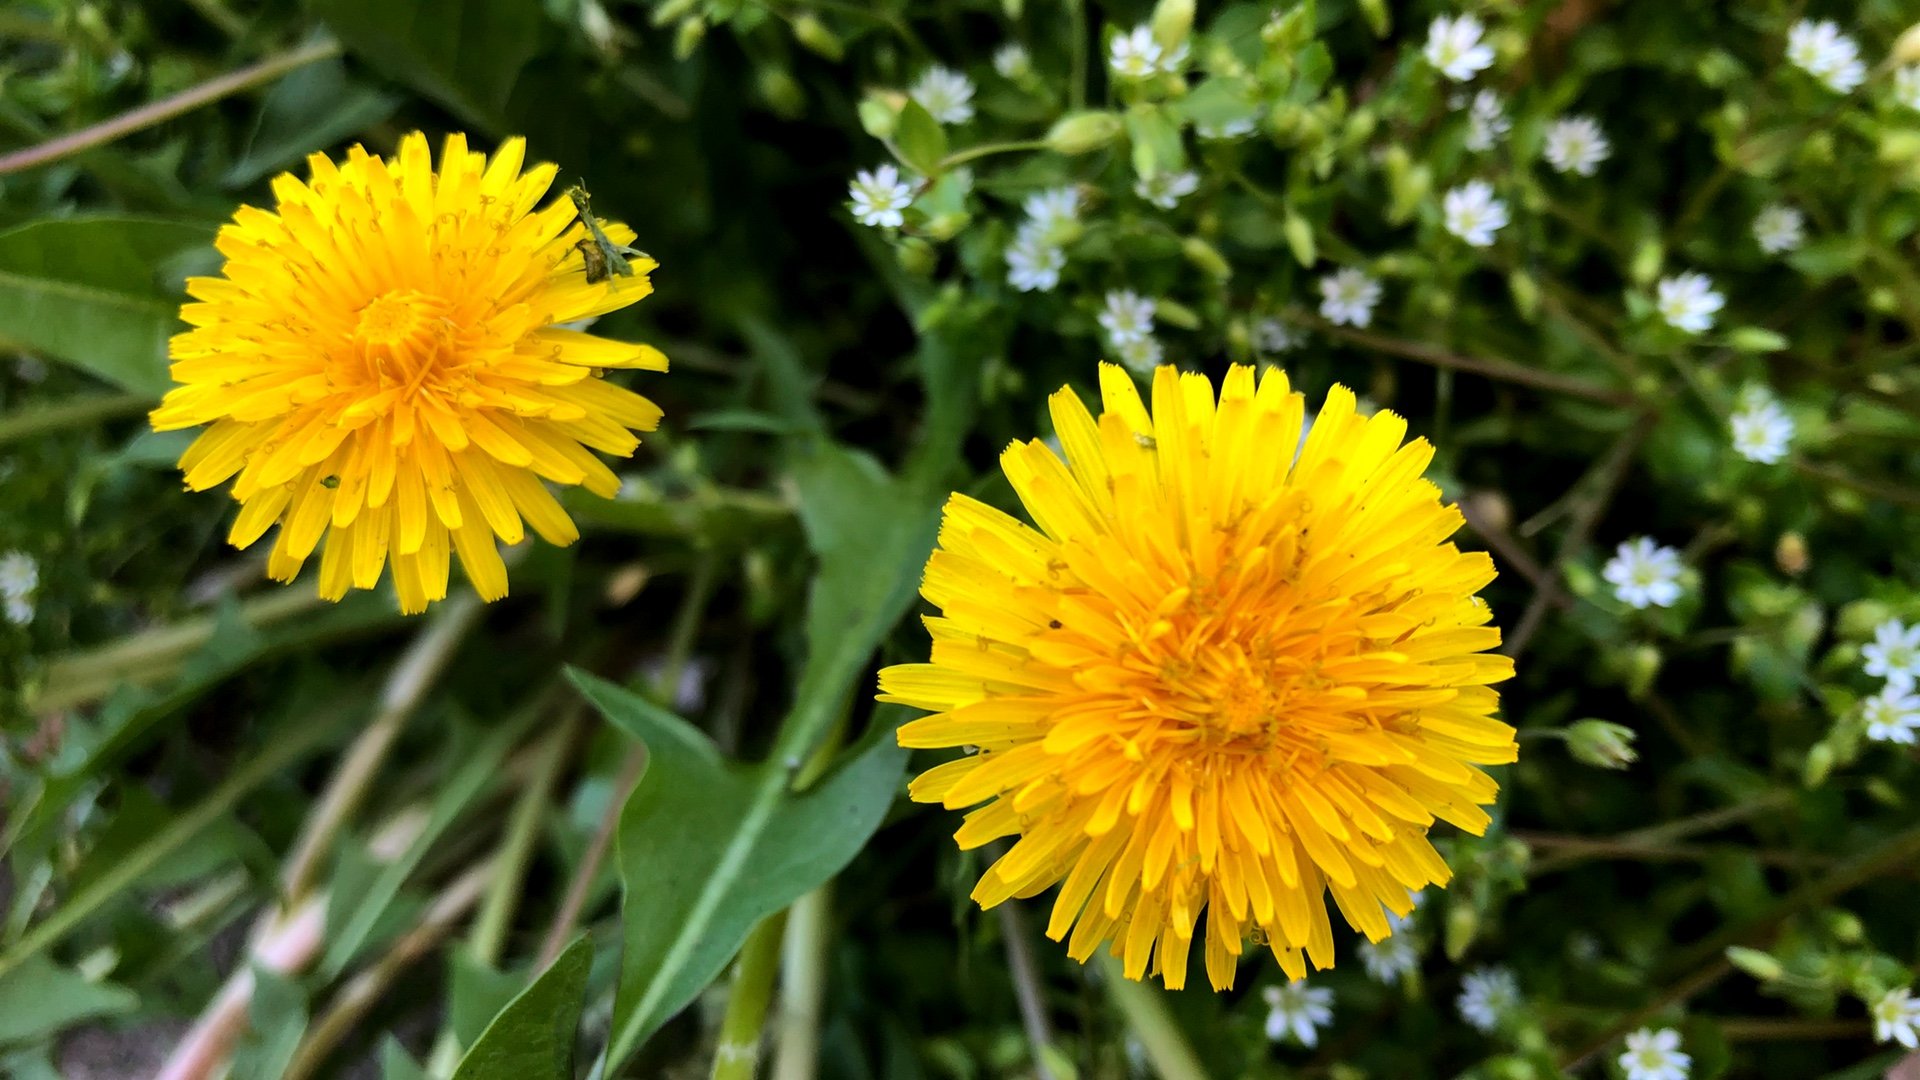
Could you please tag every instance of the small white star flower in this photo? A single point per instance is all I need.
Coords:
(1297, 1012)
(1455, 48)
(1906, 86)
(1128, 316)
(944, 93)
(19, 612)
(1655, 1055)
(1896, 1018)
(19, 580)
(1033, 264)
(1216, 131)
(1165, 190)
(1822, 51)
(1347, 297)
(1272, 335)
(1892, 715)
(1762, 431)
(1134, 55)
(879, 197)
(1141, 354)
(1473, 214)
(1012, 61)
(1576, 144)
(1487, 996)
(1688, 301)
(1393, 956)
(1487, 122)
(1894, 653)
(1779, 228)
(1172, 60)
(1048, 210)
(1644, 574)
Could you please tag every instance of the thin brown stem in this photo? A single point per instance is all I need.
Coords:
(1500, 370)
(157, 112)
(1026, 985)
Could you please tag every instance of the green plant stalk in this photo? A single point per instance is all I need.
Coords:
(1166, 1045)
(973, 153)
(71, 413)
(803, 986)
(737, 1056)
(282, 752)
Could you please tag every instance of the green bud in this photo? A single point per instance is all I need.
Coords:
(878, 118)
(916, 256)
(1858, 619)
(1205, 257)
(1462, 926)
(673, 11)
(688, 37)
(1790, 554)
(1407, 184)
(1239, 341)
(1601, 744)
(1643, 666)
(1172, 22)
(1299, 238)
(1176, 314)
(1818, 766)
(1526, 293)
(1845, 927)
(1378, 19)
(1645, 264)
(1758, 964)
(1360, 126)
(809, 31)
(1906, 47)
(947, 226)
(1083, 132)
(781, 91)
(1755, 339)
(1286, 32)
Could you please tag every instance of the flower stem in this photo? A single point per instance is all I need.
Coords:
(1166, 1045)
(986, 149)
(71, 413)
(803, 986)
(167, 108)
(738, 1054)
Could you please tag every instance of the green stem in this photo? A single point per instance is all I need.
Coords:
(737, 1056)
(74, 412)
(1166, 1045)
(516, 850)
(1077, 84)
(803, 986)
(973, 153)
(285, 749)
(165, 109)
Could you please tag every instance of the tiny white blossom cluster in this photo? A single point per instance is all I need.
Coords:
(1689, 302)
(1487, 122)
(1128, 320)
(1896, 1018)
(1392, 957)
(1455, 48)
(1822, 51)
(1137, 55)
(1166, 189)
(1779, 228)
(1036, 256)
(1655, 1055)
(1575, 144)
(1487, 996)
(19, 581)
(1893, 714)
(1473, 214)
(1644, 574)
(880, 197)
(946, 94)
(1762, 430)
(1348, 296)
(1296, 1012)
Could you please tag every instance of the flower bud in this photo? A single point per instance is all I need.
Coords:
(1906, 47)
(1526, 293)
(672, 11)
(1601, 744)
(1643, 666)
(1176, 314)
(1378, 20)
(1172, 22)
(1758, 964)
(781, 91)
(1818, 766)
(1083, 132)
(1845, 927)
(1645, 265)
(1205, 257)
(1300, 238)
(947, 226)
(1790, 554)
(1289, 30)
(1462, 926)
(916, 256)
(878, 118)
(809, 31)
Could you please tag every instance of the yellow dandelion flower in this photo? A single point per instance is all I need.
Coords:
(1219, 675)
(382, 364)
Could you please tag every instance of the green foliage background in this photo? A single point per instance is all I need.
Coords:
(173, 722)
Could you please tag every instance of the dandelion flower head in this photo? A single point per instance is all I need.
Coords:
(1214, 676)
(382, 364)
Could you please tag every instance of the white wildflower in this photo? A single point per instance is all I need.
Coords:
(1762, 430)
(1487, 122)
(1272, 335)
(1134, 55)
(1048, 210)
(1892, 715)
(1297, 1012)
(1822, 51)
(1165, 189)
(1141, 354)
(1128, 316)
(1012, 61)
(1393, 956)
(1894, 652)
(1576, 144)
(1473, 214)
(1896, 1018)
(19, 580)
(1779, 228)
(1644, 574)
(1455, 48)
(1688, 301)
(1033, 263)
(1655, 1055)
(1347, 297)
(944, 93)
(1487, 996)
(879, 197)
(1906, 86)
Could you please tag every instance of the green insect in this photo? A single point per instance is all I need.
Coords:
(603, 257)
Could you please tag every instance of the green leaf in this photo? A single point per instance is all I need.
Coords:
(397, 1064)
(464, 55)
(532, 1038)
(1155, 140)
(278, 1015)
(921, 140)
(39, 998)
(310, 109)
(86, 291)
(710, 847)
(476, 994)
